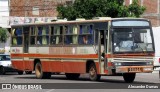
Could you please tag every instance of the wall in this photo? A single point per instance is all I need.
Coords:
(4, 13)
(35, 8)
(152, 11)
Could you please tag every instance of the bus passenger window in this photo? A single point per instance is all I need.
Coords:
(85, 39)
(71, 34)
(14, 39)
(86, 34)
(17, 36)
(52, 38)
(39, 40)
(45, 35)
(39, 37)
(33, 36)
(33, 40)
(57, 36)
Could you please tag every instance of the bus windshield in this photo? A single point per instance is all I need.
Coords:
(132, 40)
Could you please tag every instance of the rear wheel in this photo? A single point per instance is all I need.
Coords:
(72, 75)
(40, 74)
(20, 72)
(93, 73)
(129, 77)
(2, 70)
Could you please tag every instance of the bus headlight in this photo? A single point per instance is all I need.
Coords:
(118, 64)
(149, 63)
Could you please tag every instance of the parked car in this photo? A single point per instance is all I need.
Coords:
(5, 65)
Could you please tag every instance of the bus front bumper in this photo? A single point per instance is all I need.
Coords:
(134, 69)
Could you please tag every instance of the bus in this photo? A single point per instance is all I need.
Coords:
(98, 47)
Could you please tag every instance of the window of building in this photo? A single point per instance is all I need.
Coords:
(17, 36)
(86, 34)
(35, 10)
(71, 36)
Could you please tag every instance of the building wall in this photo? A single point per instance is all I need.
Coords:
(152, 11)
(4, 9)
(47, 8)
(4, 13)
(35, 8)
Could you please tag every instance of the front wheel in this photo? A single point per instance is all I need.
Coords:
(129, 77)
(93, 73)
(40, 74)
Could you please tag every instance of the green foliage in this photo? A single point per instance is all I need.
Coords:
(99, 8)
(135, 9)
(3, 35)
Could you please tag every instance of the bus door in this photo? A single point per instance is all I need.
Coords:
(101, 49)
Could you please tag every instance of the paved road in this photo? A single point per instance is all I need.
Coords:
(83, 82)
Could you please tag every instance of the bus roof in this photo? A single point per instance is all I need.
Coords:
(78, 21)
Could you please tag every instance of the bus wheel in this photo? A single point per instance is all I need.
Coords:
(93, 73)
(2, 70)
(72, 75)
(20, 72)
(40, 74)
(28, 72)
(129, 77)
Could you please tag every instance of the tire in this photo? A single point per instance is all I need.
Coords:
(28, 72)
(93, 73)
(2, 70)
(39, 73)
(72, 76)
(20, 72)
(129, 77)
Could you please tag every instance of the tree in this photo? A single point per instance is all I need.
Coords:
(135, 9)
(99, 8)
(3, 35)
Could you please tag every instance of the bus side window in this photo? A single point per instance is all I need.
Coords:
(14, 39)
(74, 37)
(39, 36)
(86, 34)
(71, 34)
(52, 38)
(57, 35)
(45, 35)
(67, 36)
(17, 36)
(33, 36)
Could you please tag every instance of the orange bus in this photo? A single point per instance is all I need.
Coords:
(99, 47)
